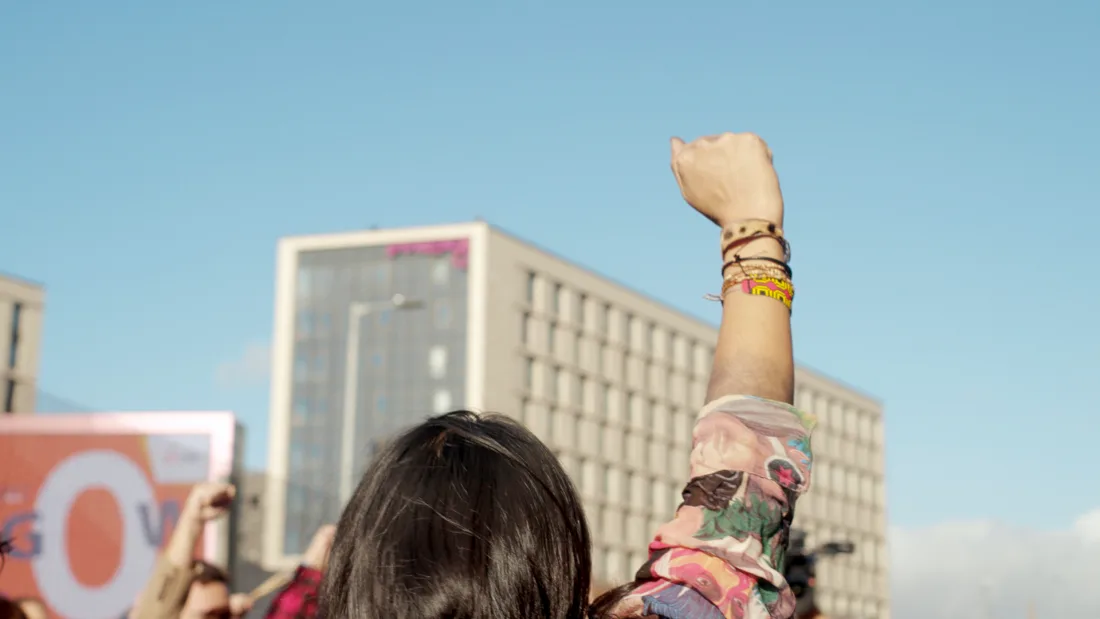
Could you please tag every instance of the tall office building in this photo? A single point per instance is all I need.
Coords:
(375, 330)
(21, 308)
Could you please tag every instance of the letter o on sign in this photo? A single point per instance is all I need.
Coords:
(114, 472)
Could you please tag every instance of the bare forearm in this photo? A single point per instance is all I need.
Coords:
(754, 355)
(180, 550)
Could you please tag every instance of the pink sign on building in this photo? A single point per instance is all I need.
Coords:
(459, 249)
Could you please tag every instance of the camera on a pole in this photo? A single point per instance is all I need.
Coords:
(801, 572)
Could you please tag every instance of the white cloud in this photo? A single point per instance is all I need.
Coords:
(253, 366)
(959, 570)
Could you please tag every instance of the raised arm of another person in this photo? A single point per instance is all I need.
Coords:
(165, 594)
(298, 600)
(723, 554)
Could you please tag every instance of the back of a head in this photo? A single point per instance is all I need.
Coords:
(461, 517)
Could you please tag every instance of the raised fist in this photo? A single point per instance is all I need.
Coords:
(728, 178)
(210, 500)
(240, 604)
(316, 556)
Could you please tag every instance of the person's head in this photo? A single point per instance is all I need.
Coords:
(33, 608)
(208, 596)
(5, 549)
(461, 517)
(10, 610)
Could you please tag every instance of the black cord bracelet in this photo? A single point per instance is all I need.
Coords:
(739, 260)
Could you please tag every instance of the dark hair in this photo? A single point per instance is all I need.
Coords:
(10, 610)
(461, 517)
(204, 573)
(5, 549)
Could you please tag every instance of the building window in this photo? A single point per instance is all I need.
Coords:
(582, 312)
(9, 397)
(601, 319)
(441, 271)
(442, 314)
(437, 361)
(441, 402)
(555, 386)
(384, 317)
(13, 347)
(590, 478)
(552, 338)
(529, 374)
(530, 287)
(557, 299)
(525, 329)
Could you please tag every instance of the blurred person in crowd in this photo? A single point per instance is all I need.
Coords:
(182, 586)
(33, 608)
(298, 600)
(10, 610)
(472, 517)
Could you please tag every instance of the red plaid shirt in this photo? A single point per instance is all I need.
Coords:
(298, 600)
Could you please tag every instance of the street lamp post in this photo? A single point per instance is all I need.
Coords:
(356, 313)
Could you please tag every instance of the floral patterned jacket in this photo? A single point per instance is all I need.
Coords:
(722, 555)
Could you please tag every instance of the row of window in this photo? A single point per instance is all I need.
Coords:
(616, 527)
(850, 606)
(613, 566)
(646, 492)
(654, 410)
(817, 508)
(320, 324)
(609, 360)
(320, 282)
(858, 486)
(664, 455)
(307, 366)
(588, 315)
(870, 552)
(843, 451)
(842, 419)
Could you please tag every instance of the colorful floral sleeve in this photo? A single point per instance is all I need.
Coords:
(722, 556)
(298, 600)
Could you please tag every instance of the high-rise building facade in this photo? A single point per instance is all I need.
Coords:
(21, 309)
(375, 330)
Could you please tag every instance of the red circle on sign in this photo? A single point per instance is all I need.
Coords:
(93, 534)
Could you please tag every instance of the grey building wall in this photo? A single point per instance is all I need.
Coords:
(22, 305)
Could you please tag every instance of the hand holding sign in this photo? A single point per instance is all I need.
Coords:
(210, 500)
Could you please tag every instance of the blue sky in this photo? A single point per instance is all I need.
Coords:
(938, 159)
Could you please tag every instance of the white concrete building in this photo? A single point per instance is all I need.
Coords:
(21, 308)
(376, 329)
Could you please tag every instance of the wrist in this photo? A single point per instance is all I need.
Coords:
(192, 512)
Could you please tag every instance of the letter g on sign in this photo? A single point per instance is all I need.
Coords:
(87, 470)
